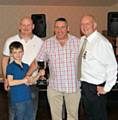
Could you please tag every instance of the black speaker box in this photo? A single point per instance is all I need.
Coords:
(39, 21)
(112, 24)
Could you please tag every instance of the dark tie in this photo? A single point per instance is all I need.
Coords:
(80, 57)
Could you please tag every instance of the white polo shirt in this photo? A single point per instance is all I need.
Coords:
(31, 47)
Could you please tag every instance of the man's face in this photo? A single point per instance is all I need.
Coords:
(88, 26)
(26, 26)
(60, 30)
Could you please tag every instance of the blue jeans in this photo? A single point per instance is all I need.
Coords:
(11, 113)
(22, 110)
(35, 97)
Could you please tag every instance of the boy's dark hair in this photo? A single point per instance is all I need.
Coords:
(15, 45)
(61, 19)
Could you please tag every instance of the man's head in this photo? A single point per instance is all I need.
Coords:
(88, 25)
(61, 28)
(26, 26)
(16, 50)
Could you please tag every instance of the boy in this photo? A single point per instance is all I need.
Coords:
(20, 94)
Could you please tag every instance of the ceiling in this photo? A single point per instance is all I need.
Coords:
(60, 2)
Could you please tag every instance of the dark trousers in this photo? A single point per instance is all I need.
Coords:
(94, 105)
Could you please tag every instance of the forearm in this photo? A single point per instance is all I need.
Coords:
(5, 61)
(17, 82)
(33, 79)
(32, 68)
(111, 78)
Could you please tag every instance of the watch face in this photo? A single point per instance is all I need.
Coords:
(41, 64)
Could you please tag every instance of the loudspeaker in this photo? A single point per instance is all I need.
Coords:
(112, 24)
(39, 21)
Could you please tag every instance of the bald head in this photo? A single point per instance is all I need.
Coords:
(26, 26)
(88, 25)
(26, 18)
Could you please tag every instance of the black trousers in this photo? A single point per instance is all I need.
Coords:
(94, 105)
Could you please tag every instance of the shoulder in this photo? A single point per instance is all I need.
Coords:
(102, 39)
(25, 67)
(50, 40)
(73, 37)
(101, 43)
(25, 64)
(10, 66)
(73, 40)
(37, 40)
(12, 39)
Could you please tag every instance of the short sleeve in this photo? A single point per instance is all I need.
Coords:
(9, 70)
(6, 49)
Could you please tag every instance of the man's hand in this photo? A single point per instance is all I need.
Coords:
(6, 85)
(27, 80)
(100, 90)
(41, 72)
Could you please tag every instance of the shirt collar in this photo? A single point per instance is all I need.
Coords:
(22, 37)
(18, 64)
(92, 36)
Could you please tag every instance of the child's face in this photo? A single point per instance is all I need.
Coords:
(17, 54)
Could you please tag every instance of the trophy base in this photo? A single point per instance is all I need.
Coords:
(42, 82)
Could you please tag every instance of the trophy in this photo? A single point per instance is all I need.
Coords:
(42, 79)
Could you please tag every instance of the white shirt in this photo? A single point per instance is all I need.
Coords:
(31, 47)
(98, 62)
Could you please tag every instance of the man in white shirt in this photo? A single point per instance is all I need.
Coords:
(32, 45)
(98, 70)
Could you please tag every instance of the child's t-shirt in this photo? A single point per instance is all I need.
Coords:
(18, 93)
